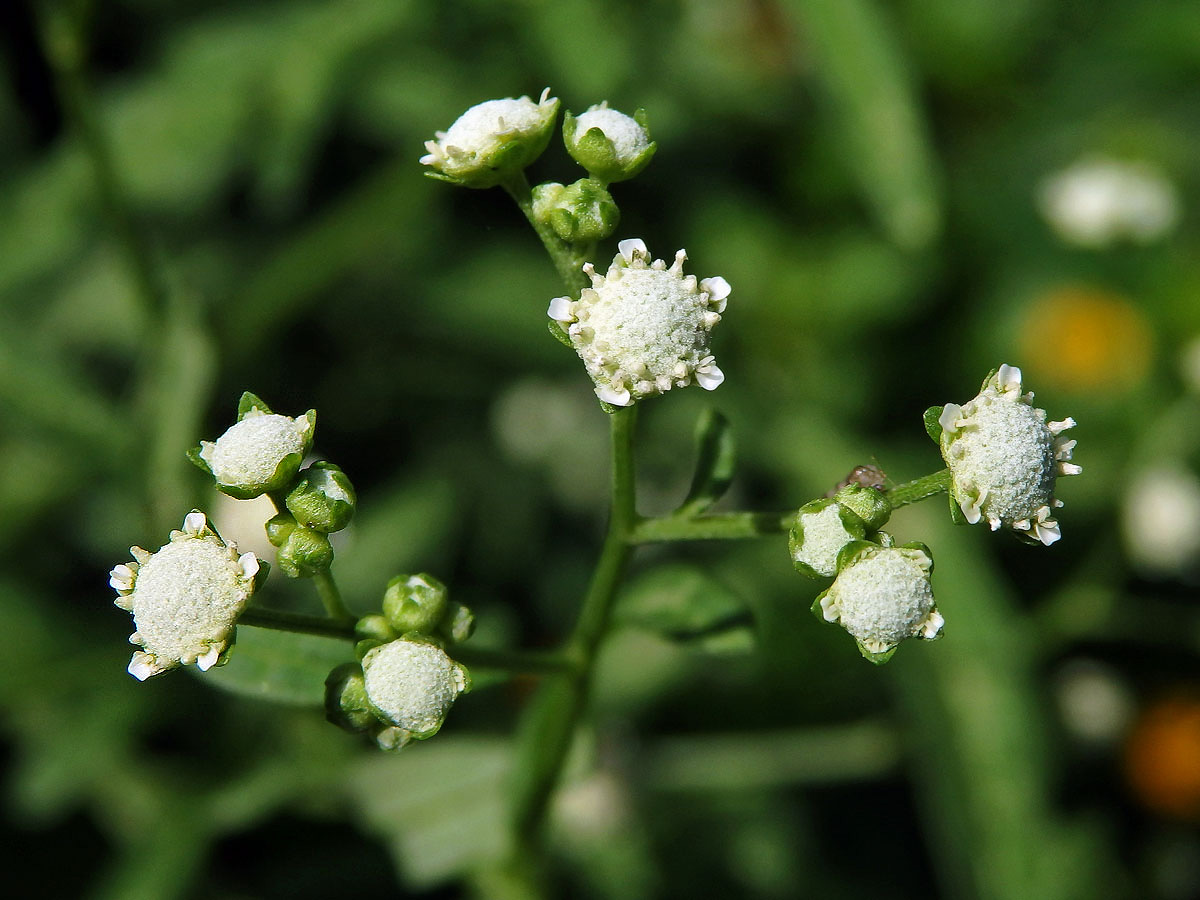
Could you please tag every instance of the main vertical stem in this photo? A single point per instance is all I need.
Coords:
(554, 715)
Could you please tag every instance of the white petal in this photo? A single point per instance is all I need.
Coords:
(1066, 468)
(709, 377)
(194, 522)
(207, 660)
(830, 608)
(1065, 449)
(249, 563)
(615, 396)
(143, 665)
(560, 310)
(1008, 378)
(951, 413)
(631, 246)
(932, 626)
(970, 509)
(718, 289)
(1057, 428)
(1047, 532)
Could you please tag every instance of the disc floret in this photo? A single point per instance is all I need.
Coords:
(1004, 457)
(185, 598)
(643, 328)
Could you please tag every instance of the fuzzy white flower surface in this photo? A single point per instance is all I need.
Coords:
(1005, 458)
(1099, 201)
(468, 149)
(642, 328)
(412, 684)
(259, 453)
(629, 138)
(819, 534)
(883, 596)
(185, 598)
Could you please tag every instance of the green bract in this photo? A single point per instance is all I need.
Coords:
(259, 454)
(882, 596)
(492, 141)
(305, 552)
(609, 144)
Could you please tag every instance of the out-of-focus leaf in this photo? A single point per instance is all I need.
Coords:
(440, 806)
(685, 604)
(862, 67)
(979, 743)
(280, 666)
(716, 457)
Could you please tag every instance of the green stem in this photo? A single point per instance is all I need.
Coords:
(332, 598)
(568, 260)
(554, 715)
(919, 489)
(717, 527)
(279, 620)
(523, 662)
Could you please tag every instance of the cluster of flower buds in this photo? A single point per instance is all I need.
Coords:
(404, 682)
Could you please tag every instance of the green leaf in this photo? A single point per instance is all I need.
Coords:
(441, 807)
(716, 456)
(860, 61)
(933, 423)
(683, 603)
(280, 666)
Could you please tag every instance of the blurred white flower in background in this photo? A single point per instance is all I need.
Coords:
(1161, 519)
(1097, 201)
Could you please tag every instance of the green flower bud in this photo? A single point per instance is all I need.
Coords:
(822, 528)
(583, 212)
(346, 703)
(259, 454)
(305, 553)
(610, 145)
(278, 528)
(458, 624)
(323, 499)
(867, 503)
(375, 627)
(415, 603)
(492, 141)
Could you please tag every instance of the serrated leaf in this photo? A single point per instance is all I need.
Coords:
(716, 457)
(280, 666)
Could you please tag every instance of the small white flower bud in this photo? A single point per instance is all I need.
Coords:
(261, 453)
(822, 528)
(609, 144)
(412, 684)
(882, 596)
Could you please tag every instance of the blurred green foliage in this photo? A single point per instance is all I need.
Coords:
(201, 198)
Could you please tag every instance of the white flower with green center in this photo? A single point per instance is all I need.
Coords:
(492, 140)
(642, 328)
(882, 596)
(822, 528)
(185, 598)
(261, 453)
(609, 144)
(411, 685)
(1004, 457)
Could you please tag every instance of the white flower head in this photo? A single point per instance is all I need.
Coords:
(259, 454)
(411, 685)
(882, 596)
(1097, 201)
(822, 528)
(185, 598)
(492, 140)
(642, 328)
(609, 144)
(1004, 457)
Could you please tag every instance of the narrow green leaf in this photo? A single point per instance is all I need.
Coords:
(280, 666)
(685, 604)
(716, 456)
